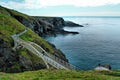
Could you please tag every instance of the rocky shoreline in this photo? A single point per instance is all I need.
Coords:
(47, 25)
(57, 24)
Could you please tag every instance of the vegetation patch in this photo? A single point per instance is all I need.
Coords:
(61, 75)
(28, 55)
(31, 36)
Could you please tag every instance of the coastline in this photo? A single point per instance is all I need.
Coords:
(15, 22)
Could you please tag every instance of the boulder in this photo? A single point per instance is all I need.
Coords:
(105, 67)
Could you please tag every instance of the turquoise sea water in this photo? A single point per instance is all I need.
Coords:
(98, 42)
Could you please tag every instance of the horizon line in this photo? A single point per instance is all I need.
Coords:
(94, 16)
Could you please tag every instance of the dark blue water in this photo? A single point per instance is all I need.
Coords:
(98, 42)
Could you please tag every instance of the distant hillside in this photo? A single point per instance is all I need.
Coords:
(13, 22)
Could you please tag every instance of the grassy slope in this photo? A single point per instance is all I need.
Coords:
(14, 24)
(10, 26)
(11, 12)
(62, 75)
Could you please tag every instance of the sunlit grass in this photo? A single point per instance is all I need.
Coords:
(61, 75)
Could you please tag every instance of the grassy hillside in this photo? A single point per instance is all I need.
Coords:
(62, 75)
(11, 12)
(22, 58)
(10, 26)
(14, 22)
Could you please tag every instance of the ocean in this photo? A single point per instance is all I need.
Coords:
(98, 42)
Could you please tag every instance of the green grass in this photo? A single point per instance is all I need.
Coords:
(8, 27)
(31, 36)
(9, 24)
(28, 55)
(4, 11)
(11, 12)
(62, 75)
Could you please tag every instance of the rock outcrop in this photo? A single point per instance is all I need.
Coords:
(37, 25)
(72, 24)
(47, 25)
(57, 22)
(11, 61)
(105, 67)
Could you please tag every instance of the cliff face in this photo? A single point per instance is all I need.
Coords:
(43, 25)
(37, 25)
(57, 22)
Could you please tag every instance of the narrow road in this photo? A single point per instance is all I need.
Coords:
(40, 52)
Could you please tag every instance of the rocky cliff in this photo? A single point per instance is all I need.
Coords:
(46, 25)
(41, 25)
(57, 22)
(13, 22)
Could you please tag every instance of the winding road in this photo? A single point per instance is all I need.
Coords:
(49, 59)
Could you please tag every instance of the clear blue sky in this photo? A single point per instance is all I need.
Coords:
(65, 7)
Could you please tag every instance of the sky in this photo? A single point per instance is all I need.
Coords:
(65, 7)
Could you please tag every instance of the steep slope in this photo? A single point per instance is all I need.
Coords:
(22, 59)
